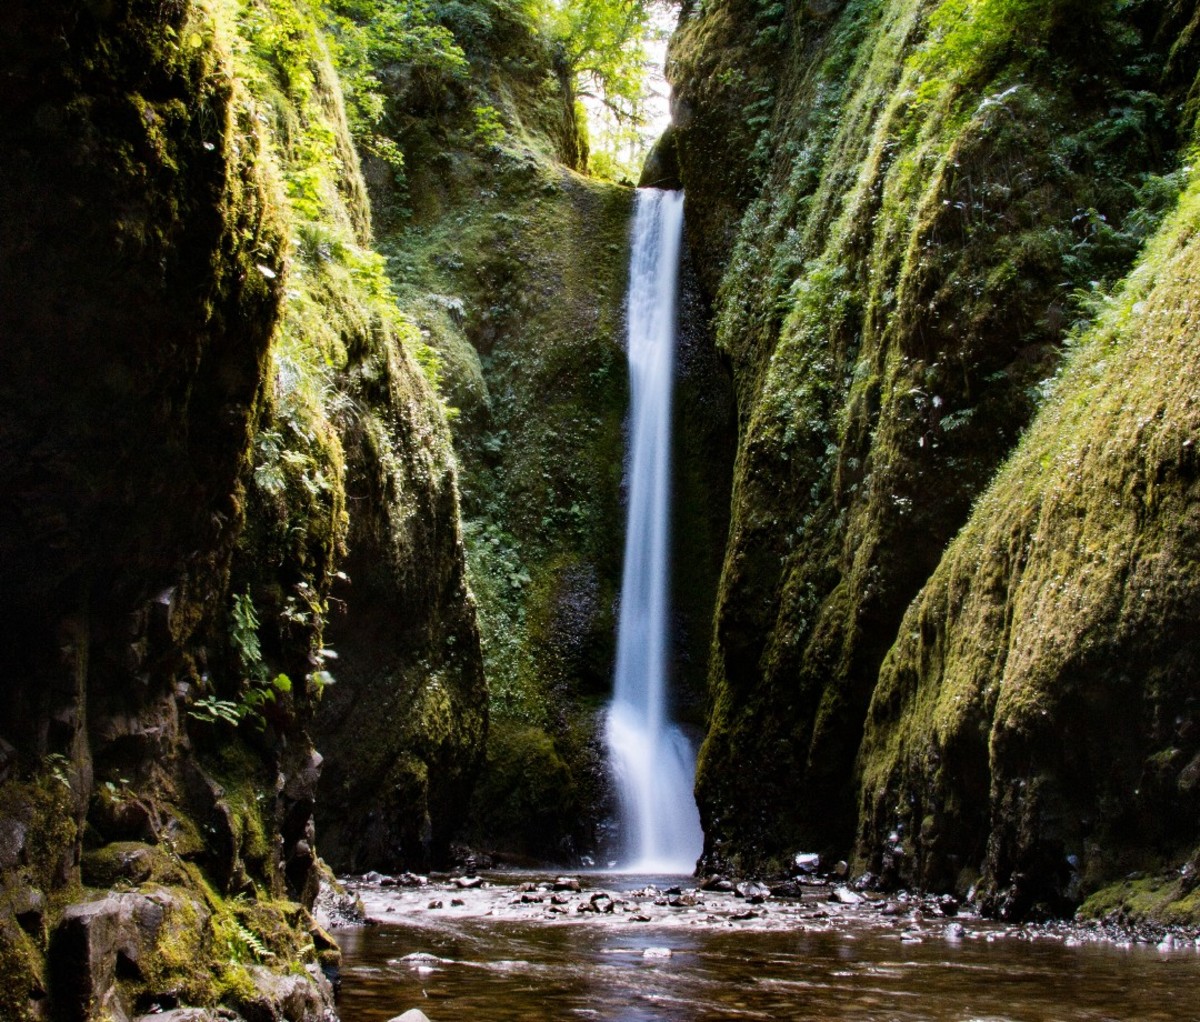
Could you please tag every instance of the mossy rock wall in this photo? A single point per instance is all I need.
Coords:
(202, 362)
(1037, 720)
(514, 265)
(141, 263)
(899, 208)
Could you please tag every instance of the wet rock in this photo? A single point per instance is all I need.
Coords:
(467, 883)
(602, 902)
(181, 1015)
(742, 916)
(753, 891)
(388, 881)
(292, 996)
(322, 941)
(335, 907)
(372, 878)
(457, 903)
(559, 898)
(716, 882)
(435, 904)
(807, 862)
(412, 880)
(412, 1015)
(531, 899)
(1189, 875)
(947, 904)
(683, 901)
(845, 896)
(639, 918)
(568, 884)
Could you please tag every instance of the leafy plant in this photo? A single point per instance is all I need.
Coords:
(254, 943)
(489, 129)
(210, 710)
(60, 768)
(368, 35)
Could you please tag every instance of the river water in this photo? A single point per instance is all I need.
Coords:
(497, 957)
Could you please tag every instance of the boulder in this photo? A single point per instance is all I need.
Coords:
(97, 944)
(291, 996)
(807, 862)
(753, 891)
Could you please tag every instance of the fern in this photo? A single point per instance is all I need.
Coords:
(254, 942)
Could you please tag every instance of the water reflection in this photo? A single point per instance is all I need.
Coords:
(504, 969)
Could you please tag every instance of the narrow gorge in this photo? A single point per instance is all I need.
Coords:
(320, 533)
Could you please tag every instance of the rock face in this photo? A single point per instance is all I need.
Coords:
(1038, 715)
(197, 371)
(899, 208)
(514, 267)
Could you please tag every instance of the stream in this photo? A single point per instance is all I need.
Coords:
(506, 951)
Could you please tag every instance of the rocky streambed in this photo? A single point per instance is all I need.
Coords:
(525, 946)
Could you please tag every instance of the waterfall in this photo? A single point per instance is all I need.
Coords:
(653, 763)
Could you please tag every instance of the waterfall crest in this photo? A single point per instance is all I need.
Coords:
(653, 763)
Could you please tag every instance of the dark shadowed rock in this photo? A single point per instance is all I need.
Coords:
(661, 169)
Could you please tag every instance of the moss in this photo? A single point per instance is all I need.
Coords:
(39, 813)
(24, 989)
(514, 269)
(893, 296)
(1048, 651)
(526, 799)
(1160, 901)
(128, 863)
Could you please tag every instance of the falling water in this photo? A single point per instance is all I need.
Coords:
(653, 762)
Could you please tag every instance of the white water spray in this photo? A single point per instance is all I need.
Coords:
(652, 760)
